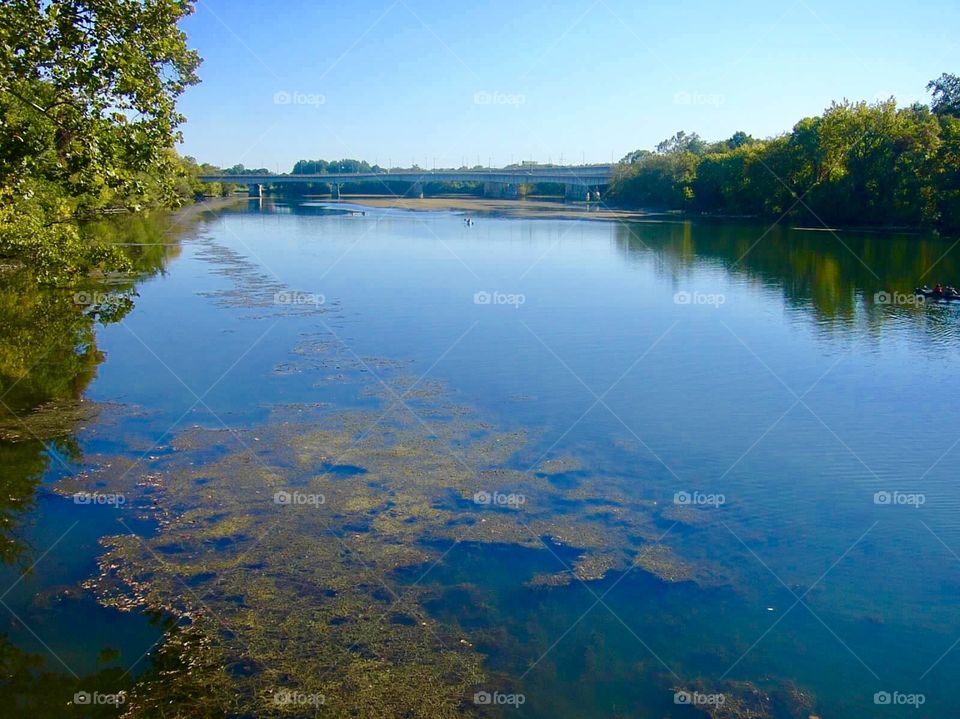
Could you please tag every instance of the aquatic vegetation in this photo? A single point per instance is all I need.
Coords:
(54, 419)
(746, 700)
(279, 545)
(252, 288)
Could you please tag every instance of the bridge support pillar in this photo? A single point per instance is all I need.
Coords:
(417, 190)
(501, 189)
(335, 190)
(255, 190)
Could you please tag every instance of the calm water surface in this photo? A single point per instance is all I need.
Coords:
(754, 369)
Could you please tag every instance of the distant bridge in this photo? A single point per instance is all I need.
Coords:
(577, 180)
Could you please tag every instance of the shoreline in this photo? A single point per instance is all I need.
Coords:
(553, 209)
(525, 208)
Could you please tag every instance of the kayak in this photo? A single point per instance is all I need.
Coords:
(936, 295)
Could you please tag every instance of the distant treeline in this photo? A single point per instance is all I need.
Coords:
(334, 167)
(856, 164)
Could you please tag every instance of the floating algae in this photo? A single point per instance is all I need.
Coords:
(324, 354)
(282, 566)
(251, 288)
(54, 419)
(746, 700)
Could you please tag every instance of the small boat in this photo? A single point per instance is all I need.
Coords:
(947, 294)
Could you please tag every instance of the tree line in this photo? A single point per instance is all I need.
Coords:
(333, 167)
(857, 163)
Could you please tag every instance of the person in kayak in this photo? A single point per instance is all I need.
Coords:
(938, 289)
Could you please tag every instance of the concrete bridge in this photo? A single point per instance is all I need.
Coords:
(578, 181)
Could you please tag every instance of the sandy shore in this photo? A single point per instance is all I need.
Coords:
(531, 207)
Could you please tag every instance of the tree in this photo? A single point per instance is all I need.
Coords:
(946, 95)
(335, 167)
(636, 156)
(857, 163)
(739, 139)
(89, 90)
(682, 142)
(88, 118)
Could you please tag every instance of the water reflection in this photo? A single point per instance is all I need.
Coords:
(834, 277)
(49, 355)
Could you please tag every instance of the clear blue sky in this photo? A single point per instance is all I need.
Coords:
(448, 82)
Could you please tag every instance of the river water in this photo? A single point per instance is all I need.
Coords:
(644, 469)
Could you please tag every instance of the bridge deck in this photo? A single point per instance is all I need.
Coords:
(586, 176)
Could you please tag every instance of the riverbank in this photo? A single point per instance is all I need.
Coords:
(524, 208)
(554, 209)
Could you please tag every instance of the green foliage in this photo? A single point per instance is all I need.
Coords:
(241, 170)
(88, 121)
(856, 164)
(946, 95)
(56, 252)
(334, 167)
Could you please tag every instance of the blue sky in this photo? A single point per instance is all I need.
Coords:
(430, 81)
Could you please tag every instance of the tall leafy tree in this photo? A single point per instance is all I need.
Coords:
(946, 95)
(88, 91)
(88, 118)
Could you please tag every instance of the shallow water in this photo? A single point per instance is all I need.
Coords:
(756, 373)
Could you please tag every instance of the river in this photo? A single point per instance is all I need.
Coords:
(341, 460)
